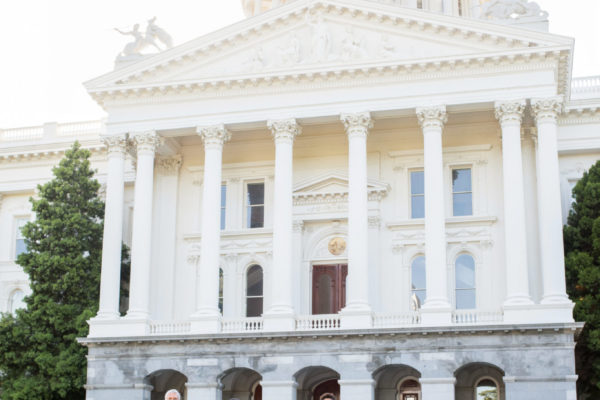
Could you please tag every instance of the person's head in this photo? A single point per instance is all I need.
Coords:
(172, 395)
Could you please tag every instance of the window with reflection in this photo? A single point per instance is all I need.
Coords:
(419, 292)
(254, 291)
(20, 246)
(16, 301)
(465, 282)
(462, 192)
(223, 204)
(255, 205)
(417, 194)
(221, 290)
(486, 390)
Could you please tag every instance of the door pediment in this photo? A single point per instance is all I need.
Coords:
(333, 188)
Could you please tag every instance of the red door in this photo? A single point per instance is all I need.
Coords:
(329, 288)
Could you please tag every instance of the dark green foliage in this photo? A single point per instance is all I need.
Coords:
(39, 355)
(582, 249)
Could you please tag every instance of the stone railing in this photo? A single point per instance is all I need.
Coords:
(477, 317)
(169, 328)
(238, 325)
(396, 320)
(18, 134)
(318, 322)
(85, 129)
(588, 84)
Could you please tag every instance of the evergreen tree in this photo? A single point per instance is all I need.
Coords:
(582, 249)
(39, 355)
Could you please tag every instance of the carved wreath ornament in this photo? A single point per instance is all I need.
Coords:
(337, 246)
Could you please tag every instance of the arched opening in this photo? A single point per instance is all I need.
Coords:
(254, 291)
(317, 383)
(479, 381)
(241, 384)
(397, 382)
(16, 301)
(164, 380)
(464, 274)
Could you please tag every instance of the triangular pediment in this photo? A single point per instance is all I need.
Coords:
(335, 183)
(307, 37)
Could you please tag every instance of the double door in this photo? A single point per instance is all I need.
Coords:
(329, 288)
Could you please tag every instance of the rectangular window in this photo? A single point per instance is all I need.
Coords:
(255, 205)
(20, 246)
(417, 194)
(223, 204)
(462, 193)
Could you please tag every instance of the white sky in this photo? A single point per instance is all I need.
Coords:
(50, 47)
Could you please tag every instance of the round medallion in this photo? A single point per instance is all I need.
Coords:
(337, 246)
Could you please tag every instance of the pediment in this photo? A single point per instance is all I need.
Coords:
(334, 186)
(308, 37)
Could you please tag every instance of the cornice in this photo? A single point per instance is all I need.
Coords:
(48, 152)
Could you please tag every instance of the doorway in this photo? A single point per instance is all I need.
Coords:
(328, 390)
(329, 288)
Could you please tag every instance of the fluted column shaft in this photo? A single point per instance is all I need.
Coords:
(139, 287)
(357, 129)
(432, 120)
(546, 112)
(284, 133)
(207, 299)
(510, 115)
(110, 278)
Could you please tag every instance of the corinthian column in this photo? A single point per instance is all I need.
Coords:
(207, 315)
(546, 112)
(139, 287)
(280, 316)
(436, 309)
(110, 278)
(510, 115)
(357, 313)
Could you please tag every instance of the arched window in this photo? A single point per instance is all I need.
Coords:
(409, 389)
(15, 301)
(486, 389)
(465, 282)
(254, 291)
(221, 290)
(419, 288)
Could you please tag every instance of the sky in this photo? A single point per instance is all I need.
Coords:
(50, 47)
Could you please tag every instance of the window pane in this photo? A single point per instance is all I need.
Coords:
(256, 193)
(256, 216)
(417, 182)
(16, 301)
(418, 299)
(223, 204)
(254, 281)
(324, 305)
(21, 247)
(417, 207)
(462, 204)
(418, 273)
(254, 307)
(465, 272)
(465, 299)
(461, 180)
(221, 290)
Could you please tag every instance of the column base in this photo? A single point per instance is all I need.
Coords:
(437, 388)
(275, 322)
(279, 390)
(357, 389)
(122, 327)
(356, 318)
(436, 316)
(204, 391)
(205, 324)
(556, 312)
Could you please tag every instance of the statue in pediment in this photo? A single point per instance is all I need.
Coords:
(512, 9)
(151, 38)
(321, 39)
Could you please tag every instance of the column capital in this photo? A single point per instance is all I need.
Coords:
(169, 165)
(547, 109)
(357, 124)
(284, 129)
(510, 111)
(215, 135)
(115, 145)
(432, 117)
(146, 141)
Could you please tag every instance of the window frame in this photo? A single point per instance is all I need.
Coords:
(246, 296)
(221, 294)
(11, 298)
(247, 206)
(474, 288)
(410, 281)
(411, 195)
(16, 233)
(223, 205)
(452, 192)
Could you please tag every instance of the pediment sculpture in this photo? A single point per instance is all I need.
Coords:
(512, 9)
(154, 37)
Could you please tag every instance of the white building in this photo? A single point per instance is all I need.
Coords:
(348, 197)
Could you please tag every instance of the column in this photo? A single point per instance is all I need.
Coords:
(284, 390)
(139, 286)
(437, 388)
(510, 115)
(280, 316)
(546, 112)
(357, 313)
(110, 278)
(436, 309)
(207, 315)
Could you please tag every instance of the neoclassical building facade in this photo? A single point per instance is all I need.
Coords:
(331, 199)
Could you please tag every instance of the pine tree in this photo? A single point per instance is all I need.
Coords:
(582, 250)
(39, 355)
